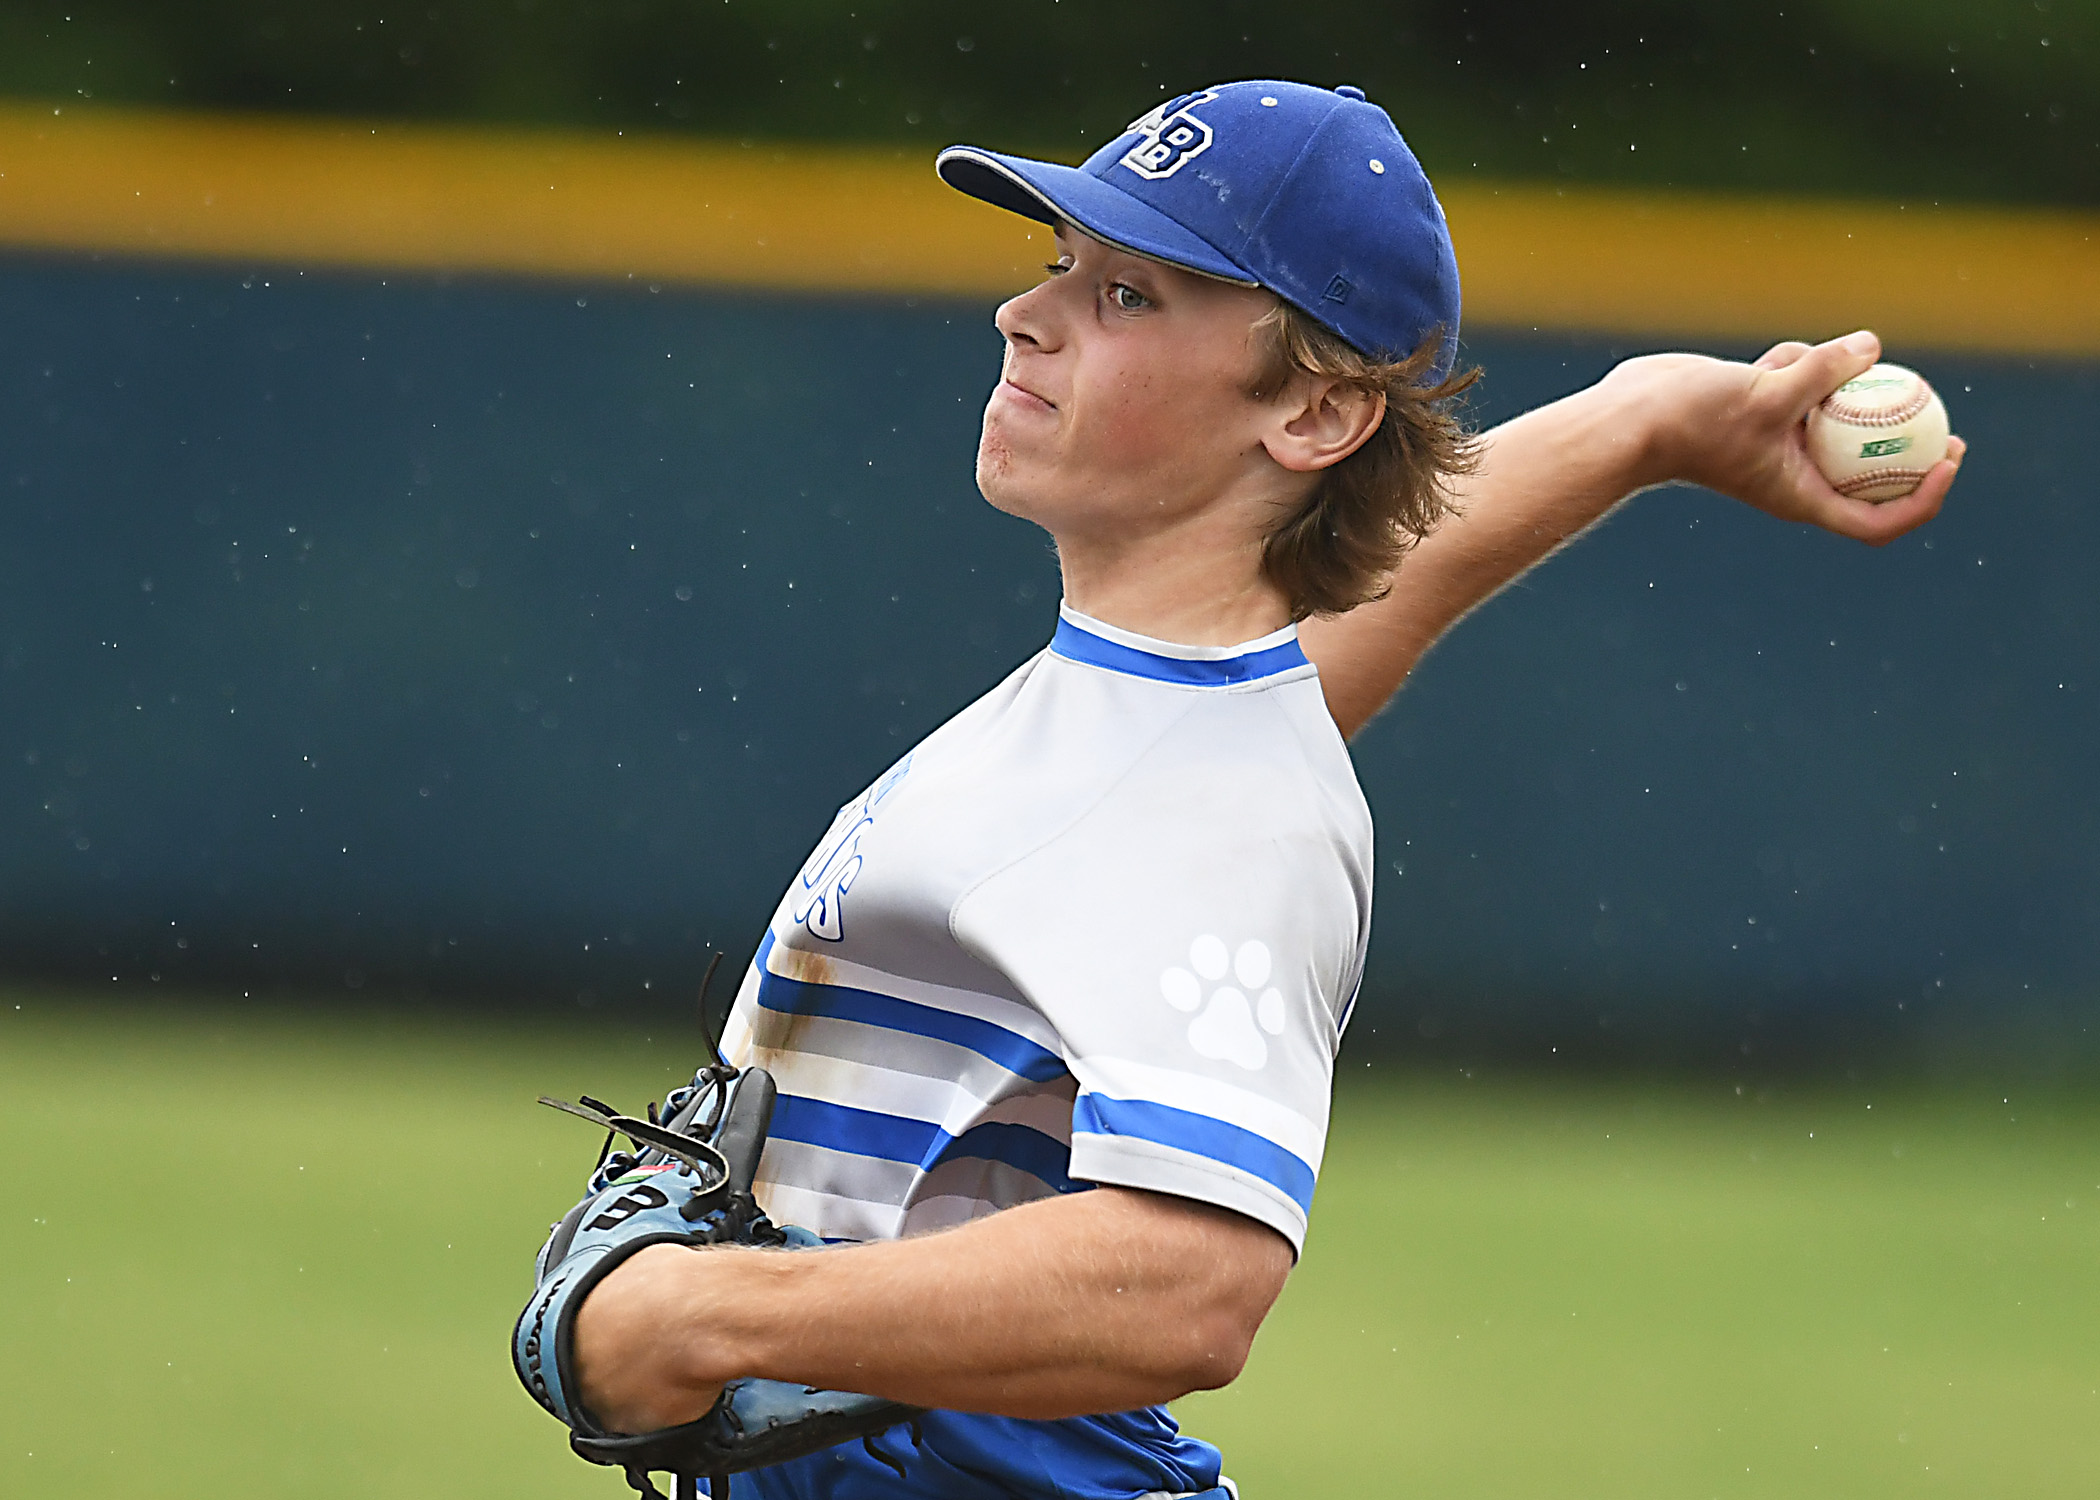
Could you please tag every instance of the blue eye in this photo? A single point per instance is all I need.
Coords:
(1127, 298)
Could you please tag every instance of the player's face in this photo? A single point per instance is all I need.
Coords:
(1125, 407)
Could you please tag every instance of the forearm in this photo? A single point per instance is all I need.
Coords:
(1543, 479)
(1100, 1301)
(1552, 473)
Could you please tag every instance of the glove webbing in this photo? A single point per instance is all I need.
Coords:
(688, 1485)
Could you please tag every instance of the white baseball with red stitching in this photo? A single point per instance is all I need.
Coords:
(1876, 435)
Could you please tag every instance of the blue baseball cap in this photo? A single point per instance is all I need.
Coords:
(1307, 191)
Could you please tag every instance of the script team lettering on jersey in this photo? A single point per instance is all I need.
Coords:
(820, 891)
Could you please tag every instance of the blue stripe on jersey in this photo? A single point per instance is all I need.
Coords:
(1097, 1114)
(1009, 1049)
(1080, 645)
(863, 1132)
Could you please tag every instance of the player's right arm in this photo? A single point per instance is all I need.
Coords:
(1554, 472)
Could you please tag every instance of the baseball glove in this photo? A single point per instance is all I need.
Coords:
(688, 1182)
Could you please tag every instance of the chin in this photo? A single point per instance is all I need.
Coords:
(998, 488)
(997, 480)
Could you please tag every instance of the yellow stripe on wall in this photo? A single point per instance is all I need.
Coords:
(381, 195)
(319, 194)
(1704, 266)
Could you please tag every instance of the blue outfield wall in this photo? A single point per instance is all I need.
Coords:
(515, 640)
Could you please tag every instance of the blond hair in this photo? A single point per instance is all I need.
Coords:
(1339, 548)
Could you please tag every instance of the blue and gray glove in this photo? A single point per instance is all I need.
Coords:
(688, 1182)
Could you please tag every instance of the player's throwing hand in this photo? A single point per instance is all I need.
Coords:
(1740, 429)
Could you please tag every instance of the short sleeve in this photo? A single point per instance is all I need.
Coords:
(1194, 939)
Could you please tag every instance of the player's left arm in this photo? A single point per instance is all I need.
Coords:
(1087, 1302)
(1552, 473)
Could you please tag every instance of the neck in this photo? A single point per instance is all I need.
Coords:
(1194, 590)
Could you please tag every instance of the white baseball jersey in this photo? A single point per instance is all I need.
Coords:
(1104, 926)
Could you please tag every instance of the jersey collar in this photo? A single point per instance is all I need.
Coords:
(1097, 644)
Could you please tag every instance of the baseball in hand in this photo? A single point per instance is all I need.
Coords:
(1876, 435)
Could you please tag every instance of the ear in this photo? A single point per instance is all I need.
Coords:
(1321, 421)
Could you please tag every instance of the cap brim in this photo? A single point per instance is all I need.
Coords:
(1049, 191)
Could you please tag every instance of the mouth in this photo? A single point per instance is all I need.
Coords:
(1015, 391)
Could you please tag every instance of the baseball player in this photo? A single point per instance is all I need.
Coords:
(1053, 1007)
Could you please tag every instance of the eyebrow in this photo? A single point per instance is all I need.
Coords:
(1064, 228)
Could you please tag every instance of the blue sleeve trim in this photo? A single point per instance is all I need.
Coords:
(1199, 1135)
(1078, 645)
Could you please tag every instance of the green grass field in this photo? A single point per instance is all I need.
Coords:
(246, 1257)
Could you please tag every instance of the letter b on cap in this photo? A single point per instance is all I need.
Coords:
(1169, 138)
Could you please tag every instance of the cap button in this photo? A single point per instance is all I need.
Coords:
(1350, 91)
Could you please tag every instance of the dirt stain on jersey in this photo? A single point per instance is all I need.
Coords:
(777, 1032)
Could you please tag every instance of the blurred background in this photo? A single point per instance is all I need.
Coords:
(481, 483)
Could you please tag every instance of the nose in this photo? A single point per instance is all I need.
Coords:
(1027, 320)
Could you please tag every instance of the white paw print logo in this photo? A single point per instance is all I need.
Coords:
(1227, 1026)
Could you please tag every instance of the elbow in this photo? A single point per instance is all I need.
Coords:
(1213, 1357)
(1216, 1335)
(1211, 1276)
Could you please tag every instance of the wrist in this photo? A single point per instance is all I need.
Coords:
(723, 1315)
(1639, 406)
